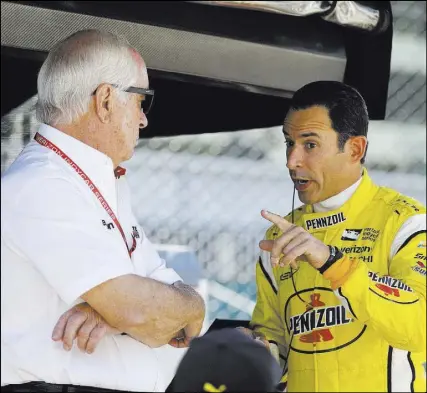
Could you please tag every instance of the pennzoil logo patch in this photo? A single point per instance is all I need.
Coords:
(389, 282)
(313, 326)
(325, 222)
(392, 289)
(321, 323)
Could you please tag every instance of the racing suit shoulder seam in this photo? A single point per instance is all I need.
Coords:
(405, 243)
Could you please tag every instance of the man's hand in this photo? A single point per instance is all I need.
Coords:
(184, 336)
(257, 336)
(85, 324)
(295, 242)
(254, 335)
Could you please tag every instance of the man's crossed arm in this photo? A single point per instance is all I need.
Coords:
(147, 310)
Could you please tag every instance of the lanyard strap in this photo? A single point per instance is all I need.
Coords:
(46, 143)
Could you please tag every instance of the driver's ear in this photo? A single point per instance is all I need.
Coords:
(358, 146)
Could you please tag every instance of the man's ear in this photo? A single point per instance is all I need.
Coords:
(104, 102)
(357, 146)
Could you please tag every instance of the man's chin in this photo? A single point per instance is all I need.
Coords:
(307, 198)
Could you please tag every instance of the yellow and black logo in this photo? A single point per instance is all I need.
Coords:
(208, 387)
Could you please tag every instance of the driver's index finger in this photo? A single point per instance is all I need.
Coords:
(281, 222)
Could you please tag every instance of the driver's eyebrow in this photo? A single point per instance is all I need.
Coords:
(303, 135)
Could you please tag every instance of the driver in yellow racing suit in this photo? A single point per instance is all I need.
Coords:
(341, 293)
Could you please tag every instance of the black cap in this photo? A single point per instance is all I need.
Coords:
(227, 360)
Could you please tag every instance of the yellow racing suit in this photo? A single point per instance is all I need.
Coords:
(361, 326)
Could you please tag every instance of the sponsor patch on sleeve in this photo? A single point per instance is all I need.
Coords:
(420, 267)
(391, 289)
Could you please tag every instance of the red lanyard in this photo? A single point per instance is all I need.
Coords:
(46, 143)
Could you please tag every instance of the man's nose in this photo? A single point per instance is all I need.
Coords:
(294, 159)
(143, 121)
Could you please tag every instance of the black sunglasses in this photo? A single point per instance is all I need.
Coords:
(148, 94)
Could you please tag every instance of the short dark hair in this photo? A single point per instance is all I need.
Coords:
(347, 108)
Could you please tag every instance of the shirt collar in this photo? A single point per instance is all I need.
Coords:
(97, 166)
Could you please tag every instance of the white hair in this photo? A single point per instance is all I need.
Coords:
(75, 67)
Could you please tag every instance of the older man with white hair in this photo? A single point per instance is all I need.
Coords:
(75, 264)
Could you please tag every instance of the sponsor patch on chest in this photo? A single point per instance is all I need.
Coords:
(319, 323)
(370, 234)
(351, 234)
(356, 249)
(318, 318)
(325, 222)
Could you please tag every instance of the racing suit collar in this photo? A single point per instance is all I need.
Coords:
(336, 201)
(365, 191)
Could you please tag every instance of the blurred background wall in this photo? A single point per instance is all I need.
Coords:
(206, 192)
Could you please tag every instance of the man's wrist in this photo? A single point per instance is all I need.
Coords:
(196, 303)
(334, 255)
